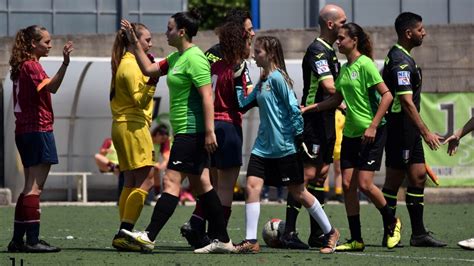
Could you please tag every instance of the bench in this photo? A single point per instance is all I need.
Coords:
(81, 183)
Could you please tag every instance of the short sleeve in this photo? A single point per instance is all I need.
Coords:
(36, 73)
(319, 63)
(371, 73)
(199, 71)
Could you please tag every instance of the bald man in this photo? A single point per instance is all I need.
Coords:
(320, 70)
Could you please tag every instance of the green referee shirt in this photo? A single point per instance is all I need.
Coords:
(355, 83)
(186, 73)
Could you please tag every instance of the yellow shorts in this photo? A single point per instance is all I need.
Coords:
(340, 120)
(134, 145)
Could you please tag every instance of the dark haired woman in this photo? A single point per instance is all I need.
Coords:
(192, 120)
(367, 99)
(34, 136)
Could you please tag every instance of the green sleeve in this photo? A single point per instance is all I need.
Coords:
(199, 70)
(371, 73)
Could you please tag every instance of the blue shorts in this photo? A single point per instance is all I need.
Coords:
(36, 148)
(229, 141)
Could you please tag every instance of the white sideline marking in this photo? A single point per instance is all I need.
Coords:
(405, 257)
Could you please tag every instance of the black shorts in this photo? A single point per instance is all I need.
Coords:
(404, 144)
(229, 141)
(367, 157)
(36, 148)
(188, 154)
(319, 136)
(277, 171)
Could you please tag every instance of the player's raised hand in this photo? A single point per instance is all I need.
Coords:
(453, 143)
(67, 49)
(126, 26)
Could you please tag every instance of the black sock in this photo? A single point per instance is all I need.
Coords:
(163, 210)
(292, 210)
(126, 226)
(387, 216)
(354, 227)
(32, 233)
(19, 230)
(414, 200)
(391, 198)
(319, 194)
(212, 208)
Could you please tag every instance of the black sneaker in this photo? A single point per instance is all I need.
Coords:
(194, 237)
(291, 241)
(316, 241)
(16, 246)
(41, 247)
(425, 240)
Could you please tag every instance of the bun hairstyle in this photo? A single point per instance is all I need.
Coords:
(189, 21)
(21, 50)
(119, 48)
(364, 45)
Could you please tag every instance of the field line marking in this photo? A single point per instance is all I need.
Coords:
(406, 257)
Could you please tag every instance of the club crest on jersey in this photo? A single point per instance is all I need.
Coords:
(403, 78)
(354, 75)
(322, 66)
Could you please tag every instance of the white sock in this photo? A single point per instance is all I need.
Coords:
(317, 212)
(252, 213)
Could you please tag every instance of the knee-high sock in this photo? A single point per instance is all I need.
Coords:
(227, 213)
(318, 214)
(354, 227)
(391, 198)
(415, 206)
(212, 208)
(292, 210)
(134, 205)
(319, 194)
(19, 223)
(163, 210)
(32, 213)
(252, 213)
(123, 199)
(387, 216)
(197, 220)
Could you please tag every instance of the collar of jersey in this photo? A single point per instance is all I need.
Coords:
(403, 49)
(324, 43)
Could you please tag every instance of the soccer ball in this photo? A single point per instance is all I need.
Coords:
(272, 230)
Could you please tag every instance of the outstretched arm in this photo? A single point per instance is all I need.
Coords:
(453, 140)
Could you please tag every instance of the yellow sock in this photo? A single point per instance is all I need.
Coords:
(123, 198)
(338, 190)
(134, 205)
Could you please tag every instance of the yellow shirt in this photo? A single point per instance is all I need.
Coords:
(133, 98)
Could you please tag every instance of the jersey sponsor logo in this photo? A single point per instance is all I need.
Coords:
(354, 75)
(403, 78)
(403, 66)
(322, 66)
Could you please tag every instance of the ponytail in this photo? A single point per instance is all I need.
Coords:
(118, 50)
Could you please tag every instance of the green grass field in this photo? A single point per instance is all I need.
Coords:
(94, 227)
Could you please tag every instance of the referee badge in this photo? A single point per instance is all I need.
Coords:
(403, 78)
